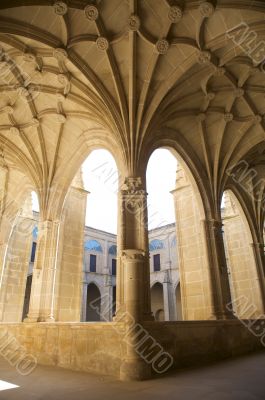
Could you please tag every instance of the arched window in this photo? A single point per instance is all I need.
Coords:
(93, 245)
(113, 250)
(156, 244)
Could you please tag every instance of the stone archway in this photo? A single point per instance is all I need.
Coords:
(93, 308)
(157, 301)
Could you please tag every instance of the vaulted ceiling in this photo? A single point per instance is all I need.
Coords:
(129, 75)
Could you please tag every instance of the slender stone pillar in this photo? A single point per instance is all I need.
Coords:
(107, 299)
(194, 268)
(258, 250)
(218, 268)
(84, 300)
(169, 298)
(247, 280)
(16, 265)
(56, 293)
(41, 308)
(71, 254)
(133, 283)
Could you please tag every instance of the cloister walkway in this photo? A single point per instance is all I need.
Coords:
(236, 379)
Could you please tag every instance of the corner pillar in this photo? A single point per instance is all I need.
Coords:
(41, 308)
(218, 268)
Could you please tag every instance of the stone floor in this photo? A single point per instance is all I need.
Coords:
(238, 379)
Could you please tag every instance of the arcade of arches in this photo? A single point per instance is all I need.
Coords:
(132, 76)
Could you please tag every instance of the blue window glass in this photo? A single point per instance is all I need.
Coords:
(156, 244)
(93, 263)
(113, 266)
(93, 245)
(156, 259)
(113, 250)
(33, 252)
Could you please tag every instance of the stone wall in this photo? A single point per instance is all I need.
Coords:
(99, 347)
(194, 343)
(94, 348)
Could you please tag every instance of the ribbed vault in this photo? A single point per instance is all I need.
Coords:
(127, 75)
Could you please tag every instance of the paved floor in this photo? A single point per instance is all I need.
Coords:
(238, 379)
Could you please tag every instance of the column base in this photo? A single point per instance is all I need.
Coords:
(135, 370)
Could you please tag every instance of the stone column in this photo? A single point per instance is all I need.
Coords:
(194, 268)
(41, 308)
(133, 243)
(16, 266)
(169, 298)
(70, 276)
(218, 268)
(106, 302)
(84, 301)
(56, 293)
(247, 279)
(258, 250)
(133, 283)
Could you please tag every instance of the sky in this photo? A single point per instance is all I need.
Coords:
(100, 177)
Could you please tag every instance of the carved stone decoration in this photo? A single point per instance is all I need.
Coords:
(35, 122)
(102, 43)
(204, 57)
(162, 46)
(219, 71)
(228, 117)
(91, 12)
(239, 92)
(210, 96)
(175, 14)
(133, 194)
(60, 54)
(28, 56)
(62, 79)
(206, 9)
(60, 8)
(257, 119)
(131, 185)
(201, 117)
(60, 97)
(7, 110)
(14, 130)
(61, 118)
(23, 91)
(134, 23)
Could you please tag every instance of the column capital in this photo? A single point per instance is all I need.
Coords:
(132, 185)
(133, 193)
